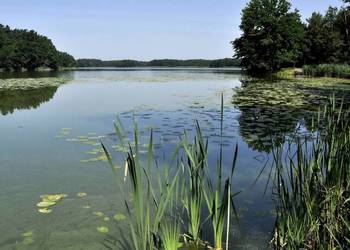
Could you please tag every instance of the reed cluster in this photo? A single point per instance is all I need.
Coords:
(312, 186)
(327, 70)
(172, 213)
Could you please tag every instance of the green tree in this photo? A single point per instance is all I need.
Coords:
(272, 36)
(23, 49)
(323, 40)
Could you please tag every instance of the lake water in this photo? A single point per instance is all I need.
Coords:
(50, 144)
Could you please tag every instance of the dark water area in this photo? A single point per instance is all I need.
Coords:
(50, 144)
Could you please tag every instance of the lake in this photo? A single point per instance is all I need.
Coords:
(50, 145)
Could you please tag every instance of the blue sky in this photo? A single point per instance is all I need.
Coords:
(138, 29)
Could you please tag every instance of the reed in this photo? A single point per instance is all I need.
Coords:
(312, 186)
(327, 70)
(184, 192)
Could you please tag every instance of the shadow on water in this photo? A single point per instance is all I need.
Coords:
(11, 100)
(271, 111)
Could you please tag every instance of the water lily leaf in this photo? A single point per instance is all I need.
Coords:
(119, 217)
(98, 213)
(103, 230)
(28, 234)
(45, 210)
(28, 241)
(82, 194)
(45, 204)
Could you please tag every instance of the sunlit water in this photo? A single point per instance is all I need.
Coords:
(44, 150)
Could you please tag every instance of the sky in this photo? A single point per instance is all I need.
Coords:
(139, 29)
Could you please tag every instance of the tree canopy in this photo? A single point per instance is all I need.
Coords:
(273, 36)
(26, 49)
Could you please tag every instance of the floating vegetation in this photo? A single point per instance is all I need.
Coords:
(271, 111)
(28, 238)
(45, 210)
(45, 204)
(81, 194)
(103, 230)
(47, 201)
(28, 241)
(28, 234)
(99, 214)
(30, 83)
(119, 217)
(102, 157)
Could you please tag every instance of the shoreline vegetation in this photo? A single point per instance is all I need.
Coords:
(310, 180)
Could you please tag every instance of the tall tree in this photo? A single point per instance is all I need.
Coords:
(272, 36)
(322, 41)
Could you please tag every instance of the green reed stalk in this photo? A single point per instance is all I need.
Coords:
(313, 187)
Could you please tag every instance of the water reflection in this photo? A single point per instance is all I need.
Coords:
(11, 100)
(273, 110)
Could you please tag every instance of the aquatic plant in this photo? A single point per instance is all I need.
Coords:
(155, 215)
(312, 186)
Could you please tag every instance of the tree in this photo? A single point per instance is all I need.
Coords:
(323, 42)
(23, 49)
(272, 36)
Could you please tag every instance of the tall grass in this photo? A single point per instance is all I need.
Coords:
(312, 187)
(327, 70)
(159, 217)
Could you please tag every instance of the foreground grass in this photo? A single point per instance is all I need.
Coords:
(312, 187)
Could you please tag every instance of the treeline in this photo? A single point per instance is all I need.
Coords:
(273, 36)
(26, 49)
(219, 63)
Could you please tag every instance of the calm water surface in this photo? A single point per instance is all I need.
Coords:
(49, 139)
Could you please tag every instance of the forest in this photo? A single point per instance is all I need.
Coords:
(22, 49)
(219, 63)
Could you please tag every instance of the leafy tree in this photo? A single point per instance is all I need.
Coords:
(322, 41)
(272, 36)
(23, 49)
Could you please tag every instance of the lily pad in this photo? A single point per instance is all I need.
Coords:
(45, 204)
(28, 241)
(45, 210)
(103, 230)
(28, 234)
(98, 213)
(119, 217)
(82, 194)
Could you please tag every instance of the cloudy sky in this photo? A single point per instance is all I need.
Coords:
(138, 29)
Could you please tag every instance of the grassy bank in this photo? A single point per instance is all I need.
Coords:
(327, 70)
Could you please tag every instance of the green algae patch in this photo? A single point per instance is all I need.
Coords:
(30, 83)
